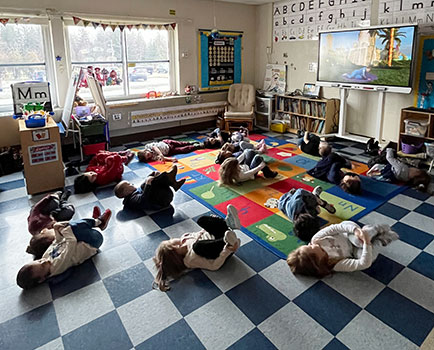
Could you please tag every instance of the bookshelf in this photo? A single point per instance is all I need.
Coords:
(320, 116)
(417, 114)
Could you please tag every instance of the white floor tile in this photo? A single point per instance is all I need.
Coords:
(367, 332)
(243, 237)
(192, 208)
(419, 221)
(232, 273)
(55, 344)
(13, 194)
(291, 328)
(406, 202)
(82, 306)
(81, 199)
(430, 200)
(416, 287)
(401, 252)
(280, 277)
(177, 230)
(148, 315)
(11, 177)
(430, 248)
(115, 260)
(377, 218)
(219, 323)
(356, 286)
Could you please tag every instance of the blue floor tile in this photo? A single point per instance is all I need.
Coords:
(14, 204)
(130, 176)
(127, 214)
(113, 237)
(254, 255)
(424, 264)
(335, 345)
(146, 246)
(73, 279)
(129, 284)
(412, 235)
(31, 330)
(384, 269)
(257, 299)
(85, 210)
(177, 336)
(333, 315)
(392, 211)
(139, 165)
(425, 209)
(301, 161)
(192, 291)
(416, 194)
(104, 192)
(181, 197)
(168, 217)
(399, 312)
(11, 185)
(106, 332)
(253, 340)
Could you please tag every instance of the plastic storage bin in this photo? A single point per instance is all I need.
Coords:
(411, 148)
(33, 122)
(416, 127)
(278, 127)
(429, 149)
(93, 148)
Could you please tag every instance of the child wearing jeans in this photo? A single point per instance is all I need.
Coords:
(206, 249)
(162, 149)
(395, 170)
(74, 243)
(341, 247)
(302, 208)
(153, 194)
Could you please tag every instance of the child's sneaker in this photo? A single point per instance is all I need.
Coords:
(96, 212)
(177, 185)
(232, 219)
(230, 238)
(105, 218)
(330, 208)
(317, 191)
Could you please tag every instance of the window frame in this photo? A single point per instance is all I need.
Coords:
(47, 45)
(124, 62)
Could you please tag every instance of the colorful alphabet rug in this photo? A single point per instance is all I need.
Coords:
(269, 226)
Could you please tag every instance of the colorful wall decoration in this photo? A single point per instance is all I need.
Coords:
(405, 11)
(424, 85)
(219, 59)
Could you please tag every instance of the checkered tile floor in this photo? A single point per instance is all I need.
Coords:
(253, 302)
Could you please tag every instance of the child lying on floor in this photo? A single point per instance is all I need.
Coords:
(329, 167)
(302, 208)
(74, 243)
(53, 207)
(161, 150)
(308, 143)
(244, 168)
(153, 194)
(104, 167)
(207, 249)
(233, 150)
(398, 171)
(341, 247)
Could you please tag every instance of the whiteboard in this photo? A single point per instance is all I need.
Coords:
(76, 77)
(28, 92)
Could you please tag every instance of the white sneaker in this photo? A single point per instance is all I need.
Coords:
(317, 191)
(232, 219)
(230, 238)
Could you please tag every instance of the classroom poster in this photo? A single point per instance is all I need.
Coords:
(405, 11)
(275, 78)
(424, 86)
(303, 19)
(42, 154)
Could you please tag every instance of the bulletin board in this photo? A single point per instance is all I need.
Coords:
(219, 59)
(424, 86)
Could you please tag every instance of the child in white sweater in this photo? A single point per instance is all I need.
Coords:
(244, 168)
(341, 247)
(207, 249)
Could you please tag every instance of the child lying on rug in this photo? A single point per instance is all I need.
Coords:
(244, 168)
(217, 139)
(74, 243)
(329, 167)
(232, 150)
(302, 208)
(153, 194)
(104, 167)
(341, 247)
(398, 171)
(161, 150)
(207, 249)
(53, 207)
(308, 143)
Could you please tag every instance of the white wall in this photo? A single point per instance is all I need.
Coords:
(362, 106)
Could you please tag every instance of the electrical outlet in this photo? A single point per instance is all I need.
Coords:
(117, 116)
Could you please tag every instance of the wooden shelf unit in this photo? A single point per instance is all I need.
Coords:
(320, 116)
(416, 114)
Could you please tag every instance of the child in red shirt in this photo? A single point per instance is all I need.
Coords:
(104, 168)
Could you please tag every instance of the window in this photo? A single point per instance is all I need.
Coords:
(128, 63)
(22, 58)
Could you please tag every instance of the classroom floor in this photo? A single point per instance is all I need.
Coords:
(253, 302)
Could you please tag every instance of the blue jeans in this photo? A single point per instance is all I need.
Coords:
(84, 232)
(253, 159)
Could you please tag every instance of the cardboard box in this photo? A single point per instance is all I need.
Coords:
(42, 157)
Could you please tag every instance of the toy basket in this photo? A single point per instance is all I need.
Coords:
(408, 148)
(35, 121)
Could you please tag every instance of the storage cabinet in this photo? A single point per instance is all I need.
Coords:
(264, 110)
(320, 116)
(414, 133)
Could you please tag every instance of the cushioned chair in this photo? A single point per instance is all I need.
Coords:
(240, 107)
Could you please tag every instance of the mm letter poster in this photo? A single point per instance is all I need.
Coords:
(42, 154)
(405, 11)
(303, 19)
